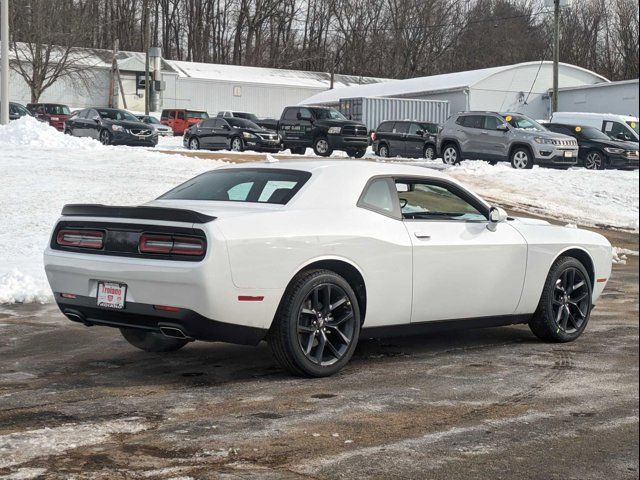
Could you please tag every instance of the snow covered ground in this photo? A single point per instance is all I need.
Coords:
(42, 169)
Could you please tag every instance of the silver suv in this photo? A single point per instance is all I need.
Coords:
(499, 137)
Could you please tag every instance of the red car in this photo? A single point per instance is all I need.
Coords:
(180, 119)
(54, 114)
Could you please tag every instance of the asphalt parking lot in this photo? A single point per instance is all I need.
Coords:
(79, 402)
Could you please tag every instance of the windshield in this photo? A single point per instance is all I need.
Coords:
(327, 114)
(242, 123)
(520, 122)
(246, 116)
(151, 120)
(194, 114)
(634, 126)
(57, 110)
(117, 115)
(253, 185)
(20, 109)
(592, 133)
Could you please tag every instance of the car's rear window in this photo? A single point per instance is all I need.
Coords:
(251, 185)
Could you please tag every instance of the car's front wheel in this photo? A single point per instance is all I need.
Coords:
(152, 341)
(429, 152)
(594, 161)
(565, 304)
(237, 145)
(105, 137)
(521, 159)
(317, 325)
(451, 154)
(321, 147)
(194, 144)
(383, 151)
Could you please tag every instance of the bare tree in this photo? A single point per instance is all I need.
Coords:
(46, 35)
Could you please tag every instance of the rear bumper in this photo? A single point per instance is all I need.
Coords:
(142, 316)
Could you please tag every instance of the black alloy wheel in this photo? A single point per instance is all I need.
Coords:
(565, 304)
(105, 137)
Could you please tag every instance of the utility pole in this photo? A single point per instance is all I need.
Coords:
(4, 62)
(147, 34)
(556, 53)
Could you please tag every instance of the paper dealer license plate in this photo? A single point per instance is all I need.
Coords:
(111, 295)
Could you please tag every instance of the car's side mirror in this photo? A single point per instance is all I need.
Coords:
(622, 136)
(420, 132)
(96, 119)
(503, 128)
(496, 215)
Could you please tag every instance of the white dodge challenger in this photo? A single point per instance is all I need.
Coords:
(313, 255)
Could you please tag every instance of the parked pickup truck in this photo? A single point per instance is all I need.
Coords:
(322, 128)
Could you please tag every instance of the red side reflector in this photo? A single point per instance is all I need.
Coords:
(68, 295)
(166, 308)
(246, 298)
(80, 238)
(601, 280)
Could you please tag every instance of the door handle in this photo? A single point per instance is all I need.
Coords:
(422, 236)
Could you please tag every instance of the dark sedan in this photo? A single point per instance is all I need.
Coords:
(597, 150)
(230, 133)
(111, 126)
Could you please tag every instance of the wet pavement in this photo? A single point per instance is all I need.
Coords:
(79, 402)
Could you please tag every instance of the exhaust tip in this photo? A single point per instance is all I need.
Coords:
(76, 317)
(173, 332)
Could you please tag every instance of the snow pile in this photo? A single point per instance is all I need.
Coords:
(621, 255)
(606, 198)
(27, 132)
(42, 169)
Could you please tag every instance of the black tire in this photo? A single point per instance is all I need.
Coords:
(152, 341)
(236, 144)
(493, 163)
(521, 158)
(356, 153)
(571, 317)
(383, 150)
(595, 160)
(450, 154)
(288, 331)
(429, 152)
(194, 143)
(321, 147)
(105, 137)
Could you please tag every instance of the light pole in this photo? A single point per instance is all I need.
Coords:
(4, 65)
(556, 53)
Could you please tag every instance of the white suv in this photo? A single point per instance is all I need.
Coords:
(500, 137)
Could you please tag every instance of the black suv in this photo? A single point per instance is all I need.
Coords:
(322, 128)
(597, 150)
(405, 139)
(230, 133)
(111, 126)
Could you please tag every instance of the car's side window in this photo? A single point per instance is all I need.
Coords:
(379, 196)
(474, 121)
(181, 116)
(435, 201)
(385, 127)
(401, 127)
(414, 128)
(491, 122)
(290, 114)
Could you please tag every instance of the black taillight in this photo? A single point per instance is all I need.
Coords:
(81, 239)
(171, 245)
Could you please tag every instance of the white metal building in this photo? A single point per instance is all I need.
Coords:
(523, 87)
(612, 97)
(199, 86)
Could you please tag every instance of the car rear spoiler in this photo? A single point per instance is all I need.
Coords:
(141, 213)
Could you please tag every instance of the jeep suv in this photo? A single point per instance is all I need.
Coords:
(500, 137)
(322, 128)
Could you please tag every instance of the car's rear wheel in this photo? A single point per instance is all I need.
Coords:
(152, 341)
(521, 159)
(317, 325)
(451, 154)
(237, 145)
(383, 151)
(321, 147)
(594, 161)
(429, 152)
(194, 143)
(105, 137)
(356, 153)
(565, 304)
